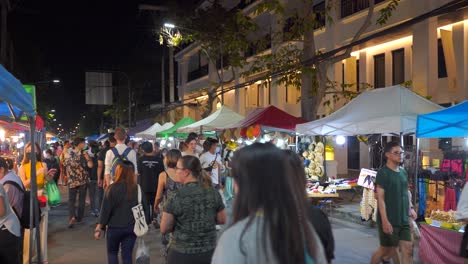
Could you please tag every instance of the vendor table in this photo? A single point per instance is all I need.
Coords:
(438, 245)
(323, 195)
(326, 203)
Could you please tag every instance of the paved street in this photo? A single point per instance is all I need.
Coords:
(354, 243)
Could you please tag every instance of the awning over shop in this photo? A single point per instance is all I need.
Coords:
(102, 137)
(449, 122)
(173, 130)
(380, 111)
(12, 93)
(269, 117)
(93, 137)
(22, 126)
(221, 118)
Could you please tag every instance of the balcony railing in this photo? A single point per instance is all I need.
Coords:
(198, 73)
(349, 7)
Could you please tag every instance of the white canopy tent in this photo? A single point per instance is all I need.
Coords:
(150, 133)
(380, 111)
(222, 117)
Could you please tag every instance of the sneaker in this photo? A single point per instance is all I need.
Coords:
(218, 227)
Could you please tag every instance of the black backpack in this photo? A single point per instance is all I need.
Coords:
(24, 217)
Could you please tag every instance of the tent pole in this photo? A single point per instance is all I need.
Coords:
(324, 141)
(297, 143)
(415, 187)
(33, 221)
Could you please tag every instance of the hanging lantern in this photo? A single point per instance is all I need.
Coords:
(256, 130)
(243, 132)
(249, 132)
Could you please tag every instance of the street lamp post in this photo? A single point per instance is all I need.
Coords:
(169, 27)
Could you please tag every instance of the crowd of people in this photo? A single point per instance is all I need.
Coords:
(183, 193)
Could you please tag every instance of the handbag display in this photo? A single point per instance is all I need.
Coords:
(141, 227)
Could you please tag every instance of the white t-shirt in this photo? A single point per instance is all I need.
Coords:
(206, 159)
(110, 156)
(186, 153)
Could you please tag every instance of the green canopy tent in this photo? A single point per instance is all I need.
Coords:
(172, 132)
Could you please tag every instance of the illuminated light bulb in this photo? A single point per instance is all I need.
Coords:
(340, 140)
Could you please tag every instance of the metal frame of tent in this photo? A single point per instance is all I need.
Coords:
(463, 126)
(14, 95)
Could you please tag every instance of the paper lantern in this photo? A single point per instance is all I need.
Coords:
(249, 133)
(243, 132)
(256, 130)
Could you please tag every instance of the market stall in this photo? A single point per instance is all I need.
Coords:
(172, 131)
(392, 111)
(268, 124)
(441, 176)
(19, 102)
(221, 118)
(150, 133)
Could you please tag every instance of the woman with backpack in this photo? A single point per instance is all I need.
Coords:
(42, 176)
(117, 216)
(168, 185)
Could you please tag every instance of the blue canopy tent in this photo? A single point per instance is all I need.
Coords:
(448, 122)
(93, 137)
(19, 102)
(102, 137)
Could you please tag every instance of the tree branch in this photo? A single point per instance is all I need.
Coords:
(357, 36)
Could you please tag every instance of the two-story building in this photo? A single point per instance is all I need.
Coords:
(432, 54)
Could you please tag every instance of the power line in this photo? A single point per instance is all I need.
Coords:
(447, 8)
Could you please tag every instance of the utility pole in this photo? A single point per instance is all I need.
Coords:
(163, 89)
(160, 9)
(171, 81)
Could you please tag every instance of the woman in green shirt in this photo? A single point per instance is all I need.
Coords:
(191, 215)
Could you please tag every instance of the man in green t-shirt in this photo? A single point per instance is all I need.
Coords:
(393, 208)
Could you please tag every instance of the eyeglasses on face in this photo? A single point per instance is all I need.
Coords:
(398, 153)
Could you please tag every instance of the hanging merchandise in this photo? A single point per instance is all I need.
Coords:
(256, 130)
(314, 158)
(243, 132)
(367, 178)
(368, 205)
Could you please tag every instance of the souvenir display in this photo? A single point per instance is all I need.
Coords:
(314, 157)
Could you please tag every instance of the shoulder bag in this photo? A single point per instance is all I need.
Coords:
(141, 227)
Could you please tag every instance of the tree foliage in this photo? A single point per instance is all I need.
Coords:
(293, 60)
(222, 35)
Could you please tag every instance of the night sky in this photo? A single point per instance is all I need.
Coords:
(61, 39)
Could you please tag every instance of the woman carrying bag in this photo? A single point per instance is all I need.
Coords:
(42, 176)
(191, 215)
(120, 201)
(10, 231)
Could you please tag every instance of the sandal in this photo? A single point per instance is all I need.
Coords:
(71, 222)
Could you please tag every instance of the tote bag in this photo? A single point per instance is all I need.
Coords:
(141, 227)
